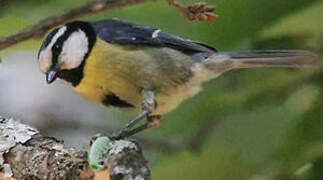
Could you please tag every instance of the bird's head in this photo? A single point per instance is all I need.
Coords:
(64, 51)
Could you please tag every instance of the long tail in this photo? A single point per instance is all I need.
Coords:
(224, 61)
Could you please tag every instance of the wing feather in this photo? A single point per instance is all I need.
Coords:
(123, 32)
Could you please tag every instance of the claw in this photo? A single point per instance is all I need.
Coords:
(121, 134)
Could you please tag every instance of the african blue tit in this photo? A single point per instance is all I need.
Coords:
(142, 69)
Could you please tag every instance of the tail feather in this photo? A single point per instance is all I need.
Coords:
(224, 61)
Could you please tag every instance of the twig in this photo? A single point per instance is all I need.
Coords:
(26, 154)
(198, 11)
(39, 29)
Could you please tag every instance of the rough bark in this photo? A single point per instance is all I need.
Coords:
(39, 29)
(26, 154)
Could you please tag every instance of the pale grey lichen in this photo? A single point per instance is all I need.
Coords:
(1, 159)
(7, 171)
(26, 153)
(59, 149)
(139, 178)
(12, 132)
(126, 162)
(6, 142)
(144, 170)
(116, 147)
(32, 159)
(121, 170)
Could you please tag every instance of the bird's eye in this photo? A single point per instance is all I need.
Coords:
(56, 48)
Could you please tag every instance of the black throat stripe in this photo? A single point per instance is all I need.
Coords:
(74, 76)
(114, 101)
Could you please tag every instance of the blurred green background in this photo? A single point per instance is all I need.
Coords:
(258, 124)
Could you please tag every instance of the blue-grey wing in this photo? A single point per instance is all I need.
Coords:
(127, 33)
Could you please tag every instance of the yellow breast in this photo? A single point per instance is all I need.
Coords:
(100, 77)
(125, 71)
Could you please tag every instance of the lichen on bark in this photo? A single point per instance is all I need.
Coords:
(26, 154)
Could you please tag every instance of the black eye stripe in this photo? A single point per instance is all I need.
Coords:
(56, 49)
(58, 45)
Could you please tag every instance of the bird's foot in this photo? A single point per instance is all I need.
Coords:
(120, 134)
(152, 121)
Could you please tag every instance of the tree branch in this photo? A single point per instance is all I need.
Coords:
(39, 29)
(197, 11)
(26, 154)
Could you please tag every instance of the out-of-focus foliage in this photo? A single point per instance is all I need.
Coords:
(271, 120)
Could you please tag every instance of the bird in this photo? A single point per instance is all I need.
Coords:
(142, 69)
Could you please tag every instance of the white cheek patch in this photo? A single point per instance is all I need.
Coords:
(45, 60)
(74, 50)
(45, 56)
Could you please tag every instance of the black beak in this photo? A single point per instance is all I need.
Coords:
(51, 76)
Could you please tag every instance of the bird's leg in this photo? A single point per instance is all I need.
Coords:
(148, 106)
